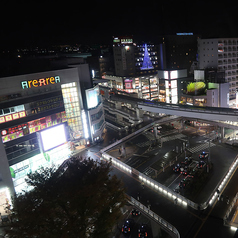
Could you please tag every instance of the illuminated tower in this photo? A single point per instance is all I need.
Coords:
(146, 60)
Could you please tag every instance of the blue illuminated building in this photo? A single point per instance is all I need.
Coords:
(147, 64)
(146, 56)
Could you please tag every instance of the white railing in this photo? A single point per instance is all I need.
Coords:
(162, 120)
(223, 182)
(117, 163)
(162, 222)
(170, 194)
(228, 212)
(160, 187)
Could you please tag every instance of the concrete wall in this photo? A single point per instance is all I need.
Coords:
(224, 95)
(5, 175)
(212, 98)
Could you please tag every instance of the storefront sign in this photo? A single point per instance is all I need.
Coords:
(21, 169)
(47, 104)
(40, 82)
(12, 116)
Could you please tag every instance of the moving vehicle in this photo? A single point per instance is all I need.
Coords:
(203, 155)
(135, 212)
(127, 226)
(176, 168)
(143, 231)
(186, 182)
(201, 164)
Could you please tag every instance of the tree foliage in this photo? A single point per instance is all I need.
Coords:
(82, 201)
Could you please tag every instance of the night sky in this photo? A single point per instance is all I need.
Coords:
(97, 21)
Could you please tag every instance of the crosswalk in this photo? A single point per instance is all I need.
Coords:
(150, 137)
(149, 172)
(201, 147)
(173, 137)
(144, 144)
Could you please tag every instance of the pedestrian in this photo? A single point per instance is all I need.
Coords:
(222, 198)
(143, 185)
(175, 201)
(148, 204)
(218, 194)
(119, 151)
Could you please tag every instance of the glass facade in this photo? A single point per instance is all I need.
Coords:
(20, 170)
(72, 109)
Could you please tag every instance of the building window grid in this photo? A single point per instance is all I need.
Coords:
(72, 107)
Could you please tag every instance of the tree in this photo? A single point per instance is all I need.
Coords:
(83, 200)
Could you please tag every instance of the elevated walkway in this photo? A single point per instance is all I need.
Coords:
(207, 113)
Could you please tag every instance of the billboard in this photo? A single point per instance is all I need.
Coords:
(196, 88)
(93, 97)
(52, 137)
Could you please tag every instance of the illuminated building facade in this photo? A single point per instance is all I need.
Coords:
(142, 86)
(168, 84)
(42, 119)
(146, 59)
(221, 54)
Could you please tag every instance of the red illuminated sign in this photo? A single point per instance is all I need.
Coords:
(2, 119)
(22, 114)
(8, 118)
(13, 116)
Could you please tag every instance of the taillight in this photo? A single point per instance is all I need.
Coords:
(139, 235)
(129, 229)
(122, 229)
(146, 234)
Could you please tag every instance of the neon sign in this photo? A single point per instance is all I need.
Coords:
(40, 82)
(13, 116)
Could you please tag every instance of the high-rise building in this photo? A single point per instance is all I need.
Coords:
(146, 59)
(180, 51)
(133, 59)
(222, 54)
(44, 116)
(124, 56)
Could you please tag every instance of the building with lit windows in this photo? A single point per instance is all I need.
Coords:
(169, 83)
(146, 59)
(44, 116)
(178, 51)
(124, 56)
(145, 87)
(221, 54)
(133, 59)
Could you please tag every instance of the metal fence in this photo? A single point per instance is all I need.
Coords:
(227, 218)
(162, 120)
(163, 223)
(160, 187)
